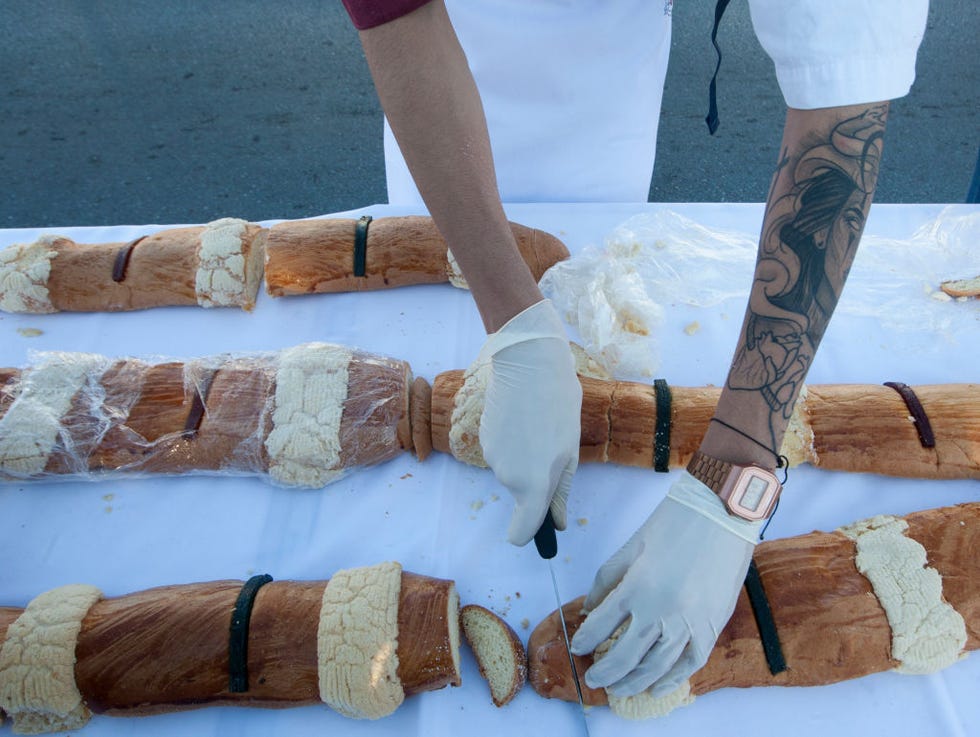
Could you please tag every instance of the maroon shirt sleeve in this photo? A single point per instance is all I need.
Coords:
(370, 13)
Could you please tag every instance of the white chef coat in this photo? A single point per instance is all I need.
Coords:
(566, 121)
(572, 88)
(841, 52)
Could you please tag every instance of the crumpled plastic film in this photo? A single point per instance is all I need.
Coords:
(684, 262)
(72, 415)
(615, 295)
(897, 280)
(605, 300)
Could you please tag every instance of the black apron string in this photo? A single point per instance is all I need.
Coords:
(712, 117)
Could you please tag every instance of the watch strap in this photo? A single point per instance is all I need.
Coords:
(710, 471)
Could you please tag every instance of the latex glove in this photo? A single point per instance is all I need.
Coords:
(531, 420)
(678, 578)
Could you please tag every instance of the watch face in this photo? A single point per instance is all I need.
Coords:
(753, 495)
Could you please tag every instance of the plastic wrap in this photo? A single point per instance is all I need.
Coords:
(300, 417)
(896, 281)
(615, 295)
(602, 296)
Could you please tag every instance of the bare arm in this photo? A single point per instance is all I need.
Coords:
(430, 98)
(818, 203)
(529, 429)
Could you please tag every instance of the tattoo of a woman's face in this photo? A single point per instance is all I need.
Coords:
(809, 240)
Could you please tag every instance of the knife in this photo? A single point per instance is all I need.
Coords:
(546, 542)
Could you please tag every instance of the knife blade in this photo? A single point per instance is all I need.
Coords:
(546, 542)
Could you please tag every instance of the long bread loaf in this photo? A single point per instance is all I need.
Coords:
(232, 414)
(887, 594)
(223, 262)
(167, 649)
(846, 427)
(302, 416)
(313, 256)
(214, 265)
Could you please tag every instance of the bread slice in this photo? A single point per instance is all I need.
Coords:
(962, 287)
(499, 652)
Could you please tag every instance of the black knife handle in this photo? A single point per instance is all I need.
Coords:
(545, 539)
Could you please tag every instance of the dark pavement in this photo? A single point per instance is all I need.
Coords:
(131, 111)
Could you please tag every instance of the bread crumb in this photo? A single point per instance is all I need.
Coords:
(586, 364)
(108, 497)
(635, 326)
(30, 332)
(692, 328)
(525, 623)
(406, 476)
(582, 521)
(477, 505)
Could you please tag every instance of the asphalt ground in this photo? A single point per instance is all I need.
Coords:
(132, 112)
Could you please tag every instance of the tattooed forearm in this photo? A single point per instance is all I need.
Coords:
(818, 203)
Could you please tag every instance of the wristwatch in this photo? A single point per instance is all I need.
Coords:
(749, 492)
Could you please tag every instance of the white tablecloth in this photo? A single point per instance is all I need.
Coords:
(446, 519)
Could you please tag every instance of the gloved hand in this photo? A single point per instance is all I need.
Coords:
(678, 578)
(531, 421)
